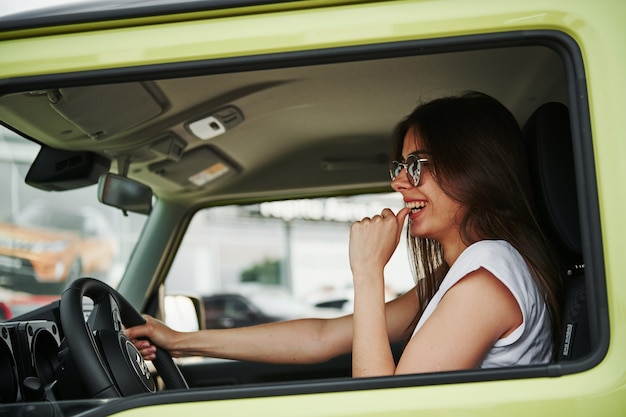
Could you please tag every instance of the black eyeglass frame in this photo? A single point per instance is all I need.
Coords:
(413, 167)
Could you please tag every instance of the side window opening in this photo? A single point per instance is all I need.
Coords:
(575, 330)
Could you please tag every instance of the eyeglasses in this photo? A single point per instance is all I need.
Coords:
(413, 167)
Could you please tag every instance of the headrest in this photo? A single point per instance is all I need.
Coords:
(549, 144)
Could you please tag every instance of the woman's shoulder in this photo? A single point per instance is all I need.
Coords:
(501, 259)
(490, 250)
(490, 244)
(496, 256)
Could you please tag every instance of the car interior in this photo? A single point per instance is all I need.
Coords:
(275, 127)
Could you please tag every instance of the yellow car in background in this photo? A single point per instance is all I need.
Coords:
(190, 116)
(43, 249)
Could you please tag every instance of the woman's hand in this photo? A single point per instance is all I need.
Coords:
(157, 333)
(373, 240)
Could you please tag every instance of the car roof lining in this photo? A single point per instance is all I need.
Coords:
(331, 121)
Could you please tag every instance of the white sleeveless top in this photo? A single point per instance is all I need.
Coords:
(531, 342)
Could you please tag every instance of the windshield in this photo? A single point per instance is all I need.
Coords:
(50, 238)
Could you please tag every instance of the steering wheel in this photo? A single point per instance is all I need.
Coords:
(107, 361)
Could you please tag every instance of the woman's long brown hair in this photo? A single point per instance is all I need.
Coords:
(478, 159)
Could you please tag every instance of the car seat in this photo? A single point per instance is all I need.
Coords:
(550, 153)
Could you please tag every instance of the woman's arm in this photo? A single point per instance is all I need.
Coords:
(371, 352)
(372, 243)
(472, 315)
(297, 341)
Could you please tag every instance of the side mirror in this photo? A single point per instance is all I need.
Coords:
(183, 312)
(124, 193)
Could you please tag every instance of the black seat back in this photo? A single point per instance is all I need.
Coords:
(551, 158)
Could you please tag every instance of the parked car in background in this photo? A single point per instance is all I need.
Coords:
(257, 305)
(19, 303)
(44, 247)
(5, 311)
(225, 311)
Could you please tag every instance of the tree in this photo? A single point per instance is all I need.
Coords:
(266, 272)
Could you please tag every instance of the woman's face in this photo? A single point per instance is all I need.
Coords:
(433, 214)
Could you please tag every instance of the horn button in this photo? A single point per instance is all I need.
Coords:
(126, 365)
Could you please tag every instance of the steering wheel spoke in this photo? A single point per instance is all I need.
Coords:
(105, 314)
(106, 359)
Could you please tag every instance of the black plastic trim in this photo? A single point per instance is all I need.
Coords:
(588, 206)
(550, 39)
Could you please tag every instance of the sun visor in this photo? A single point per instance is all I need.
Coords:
(60, 170)
(104, 110)
(197, 168)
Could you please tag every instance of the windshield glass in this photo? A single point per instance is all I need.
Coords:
(50, 238)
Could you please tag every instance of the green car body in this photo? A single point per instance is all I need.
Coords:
(593, 386)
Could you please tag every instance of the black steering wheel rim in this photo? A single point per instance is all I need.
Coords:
(90, 355)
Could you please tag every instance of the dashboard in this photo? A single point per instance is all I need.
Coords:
(30, 358)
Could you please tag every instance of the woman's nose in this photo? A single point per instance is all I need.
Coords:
(401, 182)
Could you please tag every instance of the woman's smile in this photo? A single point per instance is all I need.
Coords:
(416, 207)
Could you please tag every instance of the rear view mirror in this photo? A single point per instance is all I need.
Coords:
(124, 193)
(60, 170)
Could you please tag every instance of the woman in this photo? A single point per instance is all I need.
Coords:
(487, 289)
